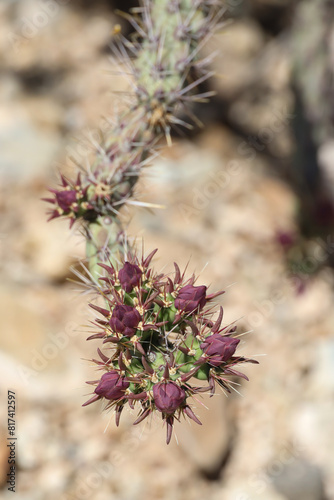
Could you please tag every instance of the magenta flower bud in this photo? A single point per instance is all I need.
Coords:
(286, 239)
(125, 319)
(129, 276)
(66, 199)
(168, 396)
(219, 348)
(191, 298)
(112, 386)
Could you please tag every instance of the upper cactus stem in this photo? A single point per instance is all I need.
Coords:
(168, 51)
(164, 54)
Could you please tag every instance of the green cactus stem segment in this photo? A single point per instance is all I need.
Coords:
(104, 242)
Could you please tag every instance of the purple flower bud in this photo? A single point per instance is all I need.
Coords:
(125, 319)
(112, 386)
(168, 396)
(286, 239)
(66, 199)
(191, 298)
(129, 276)
(219, 348)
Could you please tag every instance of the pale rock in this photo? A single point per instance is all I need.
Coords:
(17, 163)
(208, 445)
(251, 489)
(298, 480)
(238, 46)
(23, 327)
(53, 476)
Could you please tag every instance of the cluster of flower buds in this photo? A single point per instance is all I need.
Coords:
(157, 334)
(92, 196)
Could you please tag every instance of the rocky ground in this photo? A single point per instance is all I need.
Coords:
(226, 201)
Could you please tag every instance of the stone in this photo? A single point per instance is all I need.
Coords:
(207, 446)
(300, 479)
(21, 325)
(238, 45)
(17, 163)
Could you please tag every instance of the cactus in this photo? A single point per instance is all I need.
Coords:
(161, 335)
(155, 333)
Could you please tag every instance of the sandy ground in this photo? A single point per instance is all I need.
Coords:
(225, 205)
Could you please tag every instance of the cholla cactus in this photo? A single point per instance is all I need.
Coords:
(156, 334)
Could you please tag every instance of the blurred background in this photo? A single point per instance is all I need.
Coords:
(250, 206)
